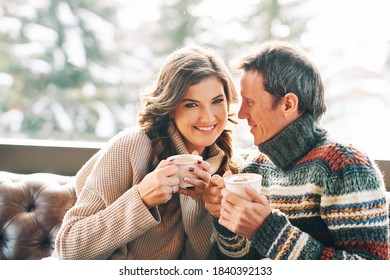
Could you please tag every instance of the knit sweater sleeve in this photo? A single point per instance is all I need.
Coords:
(351, 221)
(233, 246)
(107, 199)
(358, 229)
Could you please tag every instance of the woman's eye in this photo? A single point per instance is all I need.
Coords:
(217, 101)
(190, 105)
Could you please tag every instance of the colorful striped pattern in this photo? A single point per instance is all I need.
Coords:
(330, 204)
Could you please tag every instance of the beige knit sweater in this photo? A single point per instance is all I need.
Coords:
(110, 221)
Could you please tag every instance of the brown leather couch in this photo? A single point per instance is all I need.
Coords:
(31, 211)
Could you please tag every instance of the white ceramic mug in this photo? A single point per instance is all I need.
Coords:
(184, 162)
(235, 183)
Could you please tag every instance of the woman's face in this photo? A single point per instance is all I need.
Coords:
(202, 115)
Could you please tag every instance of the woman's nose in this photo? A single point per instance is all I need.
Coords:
(207, 115)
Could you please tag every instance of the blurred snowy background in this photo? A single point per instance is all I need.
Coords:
(74, 70)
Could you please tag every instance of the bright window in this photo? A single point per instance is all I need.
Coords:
(74, 70)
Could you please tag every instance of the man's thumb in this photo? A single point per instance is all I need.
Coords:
(254, 194)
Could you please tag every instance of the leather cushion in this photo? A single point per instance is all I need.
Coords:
(31, 211)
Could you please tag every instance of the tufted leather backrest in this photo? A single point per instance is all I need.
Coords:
(31, 211)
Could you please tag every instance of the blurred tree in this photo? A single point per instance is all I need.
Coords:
(60, 52)
(73, 72)
(175, 28)
(275, 19)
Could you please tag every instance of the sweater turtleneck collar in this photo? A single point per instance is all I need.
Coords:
(292, 143)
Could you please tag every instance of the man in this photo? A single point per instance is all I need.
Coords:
(320, 198)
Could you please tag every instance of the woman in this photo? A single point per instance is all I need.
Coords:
(129, 204)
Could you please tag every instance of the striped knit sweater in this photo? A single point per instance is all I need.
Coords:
(110, 221)
(328, 201)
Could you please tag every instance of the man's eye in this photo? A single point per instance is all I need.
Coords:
(249, 102)
(217, 101)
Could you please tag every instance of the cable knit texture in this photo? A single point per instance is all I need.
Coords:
(329, 201)
(110, 221)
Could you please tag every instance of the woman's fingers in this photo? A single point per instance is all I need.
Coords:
(204, 165)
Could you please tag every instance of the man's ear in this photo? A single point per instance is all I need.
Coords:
(290, 104)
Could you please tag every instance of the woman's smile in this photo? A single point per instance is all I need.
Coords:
(206, 129)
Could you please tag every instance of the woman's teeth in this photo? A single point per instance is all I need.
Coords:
(208, 128)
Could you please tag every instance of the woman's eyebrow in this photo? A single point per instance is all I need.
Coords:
(218, 96)
(189, 100)
(193, 100)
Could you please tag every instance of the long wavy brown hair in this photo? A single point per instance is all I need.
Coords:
(182, 69)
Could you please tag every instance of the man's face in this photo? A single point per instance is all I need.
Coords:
(264, 118)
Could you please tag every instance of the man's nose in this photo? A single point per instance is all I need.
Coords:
(242, 113)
